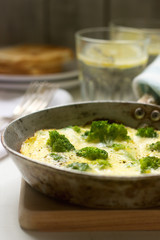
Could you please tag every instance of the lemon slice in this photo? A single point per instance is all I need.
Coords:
(154, 46)
(154, 49)
(113, 55)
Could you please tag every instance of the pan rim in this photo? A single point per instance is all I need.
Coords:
(72, 171)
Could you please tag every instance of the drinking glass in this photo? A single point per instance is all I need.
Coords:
(108, 63)
(150, 28)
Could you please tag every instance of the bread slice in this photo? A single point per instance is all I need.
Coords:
(33, 59)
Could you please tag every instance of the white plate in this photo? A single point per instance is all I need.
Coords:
(49, 77)
(69, 72)
(23, 85)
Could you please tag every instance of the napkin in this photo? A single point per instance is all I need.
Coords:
(9, 100)
(148, 82)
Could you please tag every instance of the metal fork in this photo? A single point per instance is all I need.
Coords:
(37, 97)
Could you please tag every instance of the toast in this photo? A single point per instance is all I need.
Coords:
(34, 59)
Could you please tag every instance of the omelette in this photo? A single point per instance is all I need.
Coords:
(102, 148)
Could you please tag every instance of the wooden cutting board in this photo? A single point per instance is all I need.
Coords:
(41, 213)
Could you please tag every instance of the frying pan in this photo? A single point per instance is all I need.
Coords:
(82, 188)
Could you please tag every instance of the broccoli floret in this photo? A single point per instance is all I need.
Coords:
(102, 164)
(155, 146)
(104, 131)
(130, 157)
(117, 146)
(125, 151)
(56, 157)
(76, 129)
(92, 153)
(149, 162)
(58, 142)
(79, 166)
(85, 134)
(146, 132)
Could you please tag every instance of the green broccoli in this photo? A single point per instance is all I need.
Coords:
(130, 157)
(117, 146)
(146, 132)
(85, 134)
(92, 153)
(126, 151)
(104, 131)
(56, 157)
(58, 142)
(76, 129)
(155, 146)
(101, 164)
(79, 166)
(149, 162)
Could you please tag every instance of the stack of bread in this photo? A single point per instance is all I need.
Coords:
(33, 59)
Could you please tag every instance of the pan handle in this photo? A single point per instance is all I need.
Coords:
(146, 98)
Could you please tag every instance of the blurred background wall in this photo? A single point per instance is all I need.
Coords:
(56, 21)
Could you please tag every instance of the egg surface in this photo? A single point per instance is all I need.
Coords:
(124, 156)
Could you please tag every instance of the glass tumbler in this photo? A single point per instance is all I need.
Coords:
(149, 27)
(108, 61)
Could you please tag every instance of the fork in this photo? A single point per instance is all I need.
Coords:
(37, 97)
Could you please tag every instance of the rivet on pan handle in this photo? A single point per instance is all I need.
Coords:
(155, 115)
(140, 113)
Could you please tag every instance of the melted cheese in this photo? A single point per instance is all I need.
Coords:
(123, 162)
